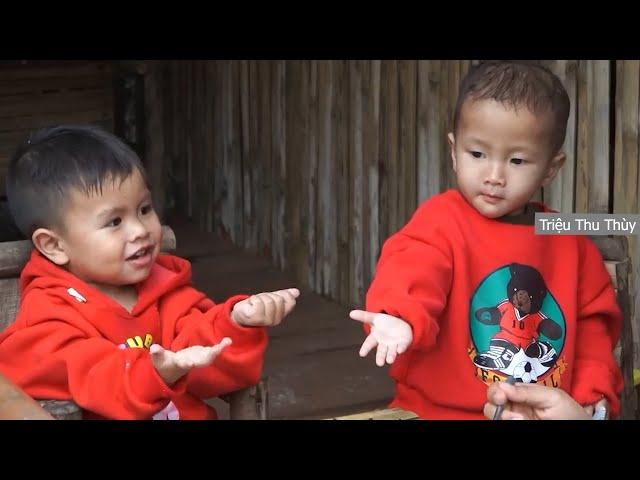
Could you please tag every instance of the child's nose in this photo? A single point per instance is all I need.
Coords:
(495, 175)
(138, 231)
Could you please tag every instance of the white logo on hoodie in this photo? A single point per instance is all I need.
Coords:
(74, 293)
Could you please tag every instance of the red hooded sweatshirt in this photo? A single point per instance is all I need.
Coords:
(72, 342)
(459, 279)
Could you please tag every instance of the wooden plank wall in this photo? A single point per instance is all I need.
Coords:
(626, 179)
(37, 95)
(313, 163)
(316, 163)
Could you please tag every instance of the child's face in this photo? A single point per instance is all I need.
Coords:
(112, 238)
(502, 156)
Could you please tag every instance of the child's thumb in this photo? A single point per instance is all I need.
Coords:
(156, 349)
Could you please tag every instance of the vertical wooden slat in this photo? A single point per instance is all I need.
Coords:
(188, 134)
(235, 127)
(312, 145)
(326, 245)
(264, 174)
(203, 169)
(249, 234)
(625, 198)
(155, 134)
(228, 206)
(386, 142)
(592, 182)
(303, 256)
(178, 164)
(297, 179)
(407, 196)
(453, 67)
(167, 127)
(341, 156)
(215, 167)
(356, 197)
(430, 139)
(194, 132)
(371, 153)
(559, 195)
(252, 164)
(391, 159)
(445, 125)
(279, 232)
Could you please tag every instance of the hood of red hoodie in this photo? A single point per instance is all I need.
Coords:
(167, 274)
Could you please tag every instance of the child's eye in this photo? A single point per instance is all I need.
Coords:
(476, 154)
(114, 223)
(146, 209)
(517, 161)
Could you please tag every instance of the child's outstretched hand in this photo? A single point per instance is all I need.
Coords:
(391, 334)
(173, 365)
(265, 309)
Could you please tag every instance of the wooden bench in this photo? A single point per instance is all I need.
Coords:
(381, 414)
(615, 252)
(250, 403)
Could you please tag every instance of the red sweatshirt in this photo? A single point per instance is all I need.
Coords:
(487, 299)
(72, 342)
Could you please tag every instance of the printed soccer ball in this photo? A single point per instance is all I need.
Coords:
(525, 372)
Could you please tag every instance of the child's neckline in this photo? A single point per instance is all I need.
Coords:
(527, 217)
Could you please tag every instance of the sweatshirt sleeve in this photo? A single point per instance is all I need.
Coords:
(596, 372)
(54, 357)
(206, 323)
(413, 276)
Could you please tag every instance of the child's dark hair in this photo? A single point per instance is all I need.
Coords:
(516, 84)
(54, 160)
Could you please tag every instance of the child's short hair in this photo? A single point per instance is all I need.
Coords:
(516, 84)
(54, 160)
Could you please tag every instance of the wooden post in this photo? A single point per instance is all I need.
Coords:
(154, 134)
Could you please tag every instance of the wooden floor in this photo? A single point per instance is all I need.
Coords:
(312, 362)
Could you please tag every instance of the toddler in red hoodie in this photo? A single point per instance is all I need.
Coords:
(466, 294)
(106, 320)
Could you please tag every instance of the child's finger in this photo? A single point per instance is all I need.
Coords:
(402, 347)
(269, 312)
(278, 309)
(381, 354)
(391, 355)
(362, 316)
(294, 292)
(289, 300)
(254, 309)
(369, 344)
(216, 350)
(245, 308)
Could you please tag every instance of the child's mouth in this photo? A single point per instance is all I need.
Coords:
(141, 257)
(491, 198)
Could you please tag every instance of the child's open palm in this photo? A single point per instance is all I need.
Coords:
(173, 365)
(390, 334)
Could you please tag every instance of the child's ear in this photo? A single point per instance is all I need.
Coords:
(50, 245)
(554, 166)
(452, 145)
